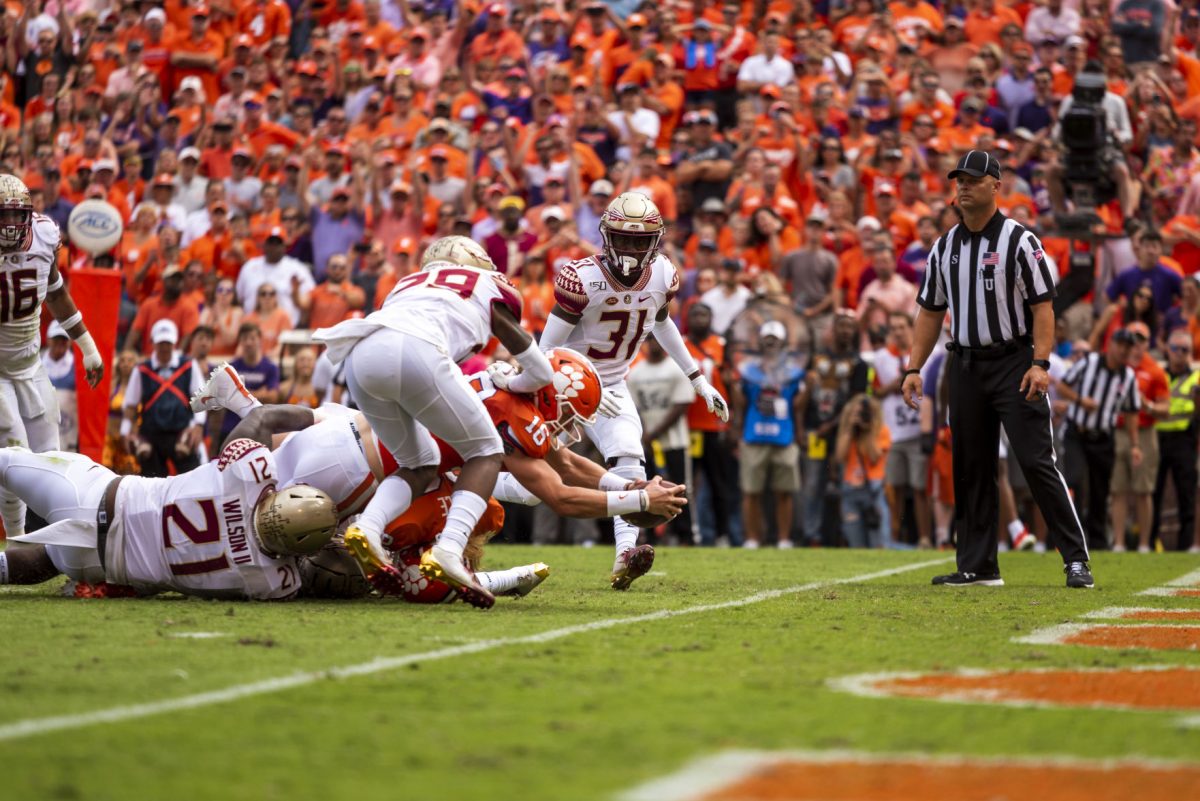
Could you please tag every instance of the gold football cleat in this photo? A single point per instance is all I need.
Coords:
(444, 565)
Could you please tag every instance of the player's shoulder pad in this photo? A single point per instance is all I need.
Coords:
(568, 288)
(238, 450)
(46, 230)
(515, 417)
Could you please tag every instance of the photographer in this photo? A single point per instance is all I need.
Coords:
(862, 449)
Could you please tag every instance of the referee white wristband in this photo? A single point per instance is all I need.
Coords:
(628, 502)
(611, 482)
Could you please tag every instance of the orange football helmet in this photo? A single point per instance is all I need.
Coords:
(572, 396)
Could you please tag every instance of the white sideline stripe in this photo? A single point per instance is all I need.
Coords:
(197, 635)
(32, 726)
(1057, 635)
(1188, 580)
(1123, 613)
(867, 685)
(712, 773)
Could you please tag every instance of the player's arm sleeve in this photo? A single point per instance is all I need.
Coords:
(265, 421)
(536, 370)
(672, 342)
(556, 332)
(509, 490)
(571, 300)
(200, 417)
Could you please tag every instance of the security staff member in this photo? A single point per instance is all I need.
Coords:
(992, 275)
(1177, 438)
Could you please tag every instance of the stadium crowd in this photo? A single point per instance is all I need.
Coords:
(280, 166)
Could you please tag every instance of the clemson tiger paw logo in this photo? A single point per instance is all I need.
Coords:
(568, 381)
(414, 582)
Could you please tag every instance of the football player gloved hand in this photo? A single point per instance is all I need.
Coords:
(610, 403)
(716, 404)
(501, 373)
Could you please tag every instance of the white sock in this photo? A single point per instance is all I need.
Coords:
(12, 511)
(465, 510)
(626, 535)
(392, 499)
(1015, 528)
(3, 567)
(943, 534)
(498, 581)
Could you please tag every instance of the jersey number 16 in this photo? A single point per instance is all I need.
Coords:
(18, 294)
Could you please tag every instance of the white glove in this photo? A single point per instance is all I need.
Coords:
(501, 373)
(716, 404)
(610, 403)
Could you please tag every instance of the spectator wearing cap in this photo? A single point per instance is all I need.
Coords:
(546, 39)
(259, 132)
(808, 272)
(963, 135)
(403, 215)
(159, 427)
(58, 359)
(166, 304)
(425, 67)
(554, 195)
(765, 68)
(123, 80)
(707, 169)
(559, 243)
(872, 93)
(497, 40)
(162, 199)
(242, 188)
(263, 20)
(1165, 284)
(441, 185)
(190, 186)
(729, 297)
(1133, 485)
(510, 244)
(338, 225)
(216, 160)
(230, 104)
(290, 277)
(710, 230)
(214, 248)
(511, 94)
(320, 190)
(587, 213)
(766, 403)
(1054, 20)
(637, 125)
(699, 55)
(198, 53)
(1139, 24)
(54, 205)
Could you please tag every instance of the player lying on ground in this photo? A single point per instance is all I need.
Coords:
(401, 365)
(223, 530)
(347, 460)
(606, 305)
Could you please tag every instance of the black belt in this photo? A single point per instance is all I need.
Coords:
(1089, 434)
(989, 352)
(104, 515)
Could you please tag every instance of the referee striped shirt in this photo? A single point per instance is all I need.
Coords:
(1114, 391)
(988, 280)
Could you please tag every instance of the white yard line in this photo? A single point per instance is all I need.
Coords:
(1185, 582)
(33, 726)
(1167, 592)
(197, 635)
(709, 774)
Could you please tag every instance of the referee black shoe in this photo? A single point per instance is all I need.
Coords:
(969, 580)
(1078, 575)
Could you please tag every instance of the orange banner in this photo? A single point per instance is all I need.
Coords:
(97, 293)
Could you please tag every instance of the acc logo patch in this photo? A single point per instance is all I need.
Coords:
(612, 301)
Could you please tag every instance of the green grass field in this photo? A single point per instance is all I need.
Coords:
(583, 714)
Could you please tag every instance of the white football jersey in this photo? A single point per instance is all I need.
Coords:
(615, 320)
(194, 533)
(23, 284)
(329, 456)
(903, 421)
(444, 304)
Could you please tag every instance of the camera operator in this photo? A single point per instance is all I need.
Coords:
(1110, 160)
(862, 448)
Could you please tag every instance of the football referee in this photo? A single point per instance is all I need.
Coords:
(990, 272)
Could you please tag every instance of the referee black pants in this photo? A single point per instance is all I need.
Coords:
(1177, 459)
(984, 394)
(1090, 458)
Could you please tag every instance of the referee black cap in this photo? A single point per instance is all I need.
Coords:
(976, 163)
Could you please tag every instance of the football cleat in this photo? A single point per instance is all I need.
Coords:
(224, 390)
(1024, 541)
(633, 563)
(531, 577)
(367, 550)
(442, 564)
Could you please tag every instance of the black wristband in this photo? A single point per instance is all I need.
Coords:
(1042, 363)
(911, 371)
